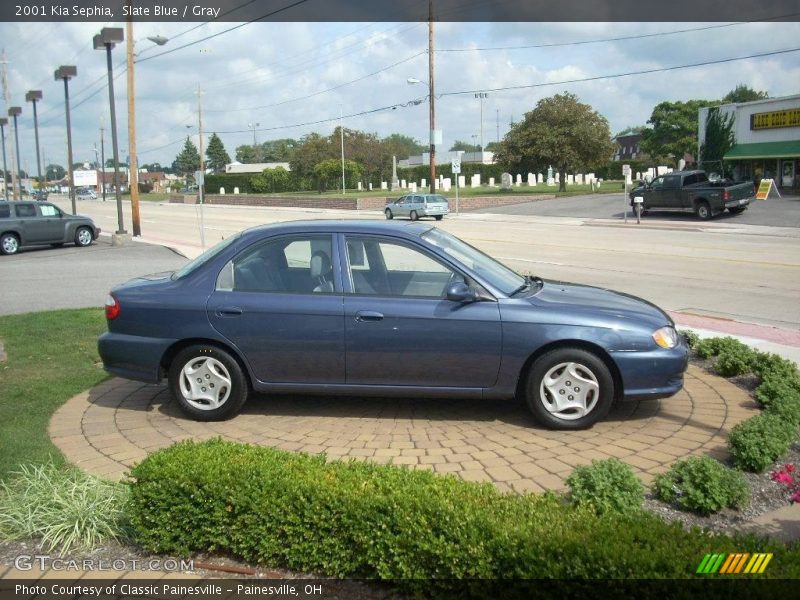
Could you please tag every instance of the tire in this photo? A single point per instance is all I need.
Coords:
(9, 243)
(413, 216)
(561, 367)
(226, 390)
(703, 210)
(83, 237)
(438, 217)
(737, 210)
(389, 215)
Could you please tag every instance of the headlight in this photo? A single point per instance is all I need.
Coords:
(666, 337)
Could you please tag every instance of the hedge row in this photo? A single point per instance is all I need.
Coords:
(297, 511)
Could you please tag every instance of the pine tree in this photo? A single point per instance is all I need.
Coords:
(216, 154)
(188, 161)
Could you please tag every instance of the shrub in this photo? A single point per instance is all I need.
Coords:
(759, 441)
(422, 530)
(714, 346)
(605, 486)
(735, 360)
(787, 408)
(66, 508)
(690, 336)
(768, 364)
(774, 387)
(703, 485)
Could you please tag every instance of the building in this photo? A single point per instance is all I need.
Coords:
(767, 139)
(627, 146)
(237, 167)
(444, 158)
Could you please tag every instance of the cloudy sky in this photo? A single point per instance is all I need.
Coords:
(287, 75)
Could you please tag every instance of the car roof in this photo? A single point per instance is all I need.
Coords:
(410, 229)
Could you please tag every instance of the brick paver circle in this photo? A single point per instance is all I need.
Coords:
(111, 427)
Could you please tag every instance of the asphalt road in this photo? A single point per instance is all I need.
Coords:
(775, 212)
(48, 278)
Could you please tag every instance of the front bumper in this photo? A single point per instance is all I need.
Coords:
(652, 374)
(133, 357)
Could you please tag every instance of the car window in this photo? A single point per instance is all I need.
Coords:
(5, 211)
(395, 269)
(48, 210)
(672, 182)
(690, 179)
(402, 200)
(294, 265)
(658, 183)
(25, 210)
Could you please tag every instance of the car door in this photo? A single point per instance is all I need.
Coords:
(399, 327)
(671, 196)
(52, 223)
(654, 194)
(32, 225)
(401, 207)
(280, 303)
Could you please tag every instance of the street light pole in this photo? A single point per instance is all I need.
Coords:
(66, 72)
(253, 127)
(341, 136)
(108, 38)
(102, 158)
(481, 96)
(3, 123)
(14, 112)
(14, 157)
(32, 96)
(431, 98)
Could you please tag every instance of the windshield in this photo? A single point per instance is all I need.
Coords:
(496, 274)
(206, 256)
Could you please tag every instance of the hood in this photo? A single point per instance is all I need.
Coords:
(586, 300)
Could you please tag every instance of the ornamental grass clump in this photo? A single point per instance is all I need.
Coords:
(702, 485)
(64, 507)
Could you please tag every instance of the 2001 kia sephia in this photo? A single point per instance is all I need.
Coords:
(384, 309)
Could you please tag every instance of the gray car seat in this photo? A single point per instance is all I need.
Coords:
(321, 272)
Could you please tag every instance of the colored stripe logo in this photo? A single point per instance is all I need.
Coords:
(734, 564)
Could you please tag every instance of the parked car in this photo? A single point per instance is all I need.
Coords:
(415, 206)
(691, 191)
(85, 194)
(39, 223)
(377, 308)
(40, 195)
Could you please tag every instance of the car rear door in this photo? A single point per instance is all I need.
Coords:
(285, 317)
(32, 225)
(400, 330)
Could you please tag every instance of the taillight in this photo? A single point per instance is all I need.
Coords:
(726, 195)
(112, 308)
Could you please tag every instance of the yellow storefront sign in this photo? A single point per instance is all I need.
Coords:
(764, 188)
(778, 118)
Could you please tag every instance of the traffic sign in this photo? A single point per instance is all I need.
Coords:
(455, 166)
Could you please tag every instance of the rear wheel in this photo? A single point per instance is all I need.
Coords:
(389, 214)
(9, 243)
(703, 210)
(413, 216)
(83, 237)
(737, 210)
(207, 383)
(569, 388)
(438, 217)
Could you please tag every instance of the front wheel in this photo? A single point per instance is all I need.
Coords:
(438, 217)
(83, 237)
(9, 243)
(569, 388)
(389, 215)
(413, 216)
(703, 211)
(207, 383)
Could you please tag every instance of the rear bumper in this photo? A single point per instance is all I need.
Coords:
(654, 374)
(133, 357)
(432, 212)
(737, 203)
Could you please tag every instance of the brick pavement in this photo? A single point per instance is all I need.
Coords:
(113, 426)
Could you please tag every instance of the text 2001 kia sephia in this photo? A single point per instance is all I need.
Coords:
(384, 309)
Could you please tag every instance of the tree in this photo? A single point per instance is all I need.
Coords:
(719, 135)
(743, 93)
(674, 130)
(216, 154)
(272, 180)
(631, 130)
(188, 161)
(464, 146)
(54, 172)
(492, 146)
(402, 146)
(328, 173)
(560, 131)
(278, 150)
(248, 154)
(312, 150)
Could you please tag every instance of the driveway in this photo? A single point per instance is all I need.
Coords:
(48, 278)
(775, 212)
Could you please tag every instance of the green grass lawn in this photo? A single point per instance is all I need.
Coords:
(51, 356)
(151, 197)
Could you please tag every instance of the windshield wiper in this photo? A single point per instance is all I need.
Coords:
(529, 279)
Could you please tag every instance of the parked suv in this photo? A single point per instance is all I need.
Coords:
(415, 206)
(38, 223)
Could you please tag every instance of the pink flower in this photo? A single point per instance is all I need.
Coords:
(782, 477)
(796, 497)
(790, 468)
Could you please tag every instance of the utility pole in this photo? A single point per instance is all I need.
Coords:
(133, 169)
(3, 123)
(341, 135)
(7, 96)
(431, 98)
(102, 159)
(201, 184)
(498, 125)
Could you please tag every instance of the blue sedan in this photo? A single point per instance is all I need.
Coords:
(384, 309)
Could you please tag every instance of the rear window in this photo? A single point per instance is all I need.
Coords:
(5, 211)
(25, 210)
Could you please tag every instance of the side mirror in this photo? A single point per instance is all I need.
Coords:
(460, 292)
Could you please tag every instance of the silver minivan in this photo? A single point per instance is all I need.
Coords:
(415, 206)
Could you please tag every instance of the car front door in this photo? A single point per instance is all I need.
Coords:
(654, 194)
(401, 207)
(671, 192)
(399, 327)
(280, 303)
(52, 223)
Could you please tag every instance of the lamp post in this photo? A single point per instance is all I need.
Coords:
(253, 127)
(481, 96)
(32, 96)
(14, 112)
(107, 39)
(66, 73)
(3, 123)
(103, 159)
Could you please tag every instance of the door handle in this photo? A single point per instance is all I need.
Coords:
(229, 311)
(368, 315)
